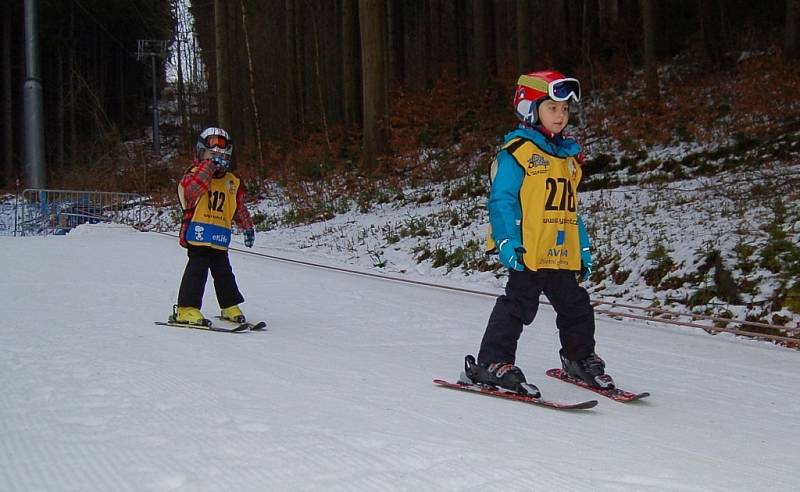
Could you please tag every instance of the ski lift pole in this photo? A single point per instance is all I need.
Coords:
(153, 48)
(16, 206)
(33, 104)
(156, 143)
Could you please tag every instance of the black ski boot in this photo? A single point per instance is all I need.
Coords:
(590, 369)
(502, 374)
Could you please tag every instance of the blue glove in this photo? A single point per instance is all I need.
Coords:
(249, 237)
(586, 263)
(586, 250)
(509, 250)
(220, 163)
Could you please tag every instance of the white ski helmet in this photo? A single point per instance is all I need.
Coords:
(217, 141)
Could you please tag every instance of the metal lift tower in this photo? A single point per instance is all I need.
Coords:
(33, 101)
(152, 48)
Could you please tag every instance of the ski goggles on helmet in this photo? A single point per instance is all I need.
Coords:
(562, 90)
(558, 90)
(218, 141)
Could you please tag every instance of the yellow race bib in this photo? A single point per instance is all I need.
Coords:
(213, 215)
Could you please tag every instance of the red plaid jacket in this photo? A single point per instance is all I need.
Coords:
(194, 184)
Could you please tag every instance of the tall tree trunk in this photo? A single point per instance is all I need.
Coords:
(791, 49)
(291, 72)
(524, 27)
(253, 103)
(60, 113)
(372, 18)
(182, 96)
(395, 13)
(463, 46)
(572, 44)
(588, 14)
(427, 46)
(322, 111)
(608, 12)
(295, 75)
(71, 83)
(121, 60)
(560, 40)
(712, 25)
(8, 111)
(240, 117)
(446, 54)
(492, 44)
(650, 65)
(416, 43)
(102, 72)
(179, 40)
(436, 39)
(331, 56)
(195, 89)
(221, 65)
(300, 77)
(350, 67)
(667, 29)
(607, 29)
(480, 44)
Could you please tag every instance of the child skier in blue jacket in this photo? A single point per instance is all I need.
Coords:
(539, 236)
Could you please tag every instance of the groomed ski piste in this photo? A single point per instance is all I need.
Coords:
(337, 393)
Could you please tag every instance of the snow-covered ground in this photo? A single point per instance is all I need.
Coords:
(337, 394)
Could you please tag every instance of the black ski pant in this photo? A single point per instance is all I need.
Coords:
(574, 314)
(193, 284)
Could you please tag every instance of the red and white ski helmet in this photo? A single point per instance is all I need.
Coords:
(534, 87)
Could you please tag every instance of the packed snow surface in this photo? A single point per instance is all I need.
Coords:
(337, 394)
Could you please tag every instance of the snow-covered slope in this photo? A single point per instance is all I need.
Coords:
(337, 395)
(664, 245)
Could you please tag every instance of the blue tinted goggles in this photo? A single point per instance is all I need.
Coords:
(564, 89)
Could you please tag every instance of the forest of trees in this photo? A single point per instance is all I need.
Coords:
(94, 87)
(280, 72)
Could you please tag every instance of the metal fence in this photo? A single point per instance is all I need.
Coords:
(41, 212)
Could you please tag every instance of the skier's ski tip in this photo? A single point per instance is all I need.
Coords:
(616, 394)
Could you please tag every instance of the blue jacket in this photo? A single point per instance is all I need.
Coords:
(505, 211)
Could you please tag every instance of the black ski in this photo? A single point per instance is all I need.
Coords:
(235, 329)
(260, 326)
